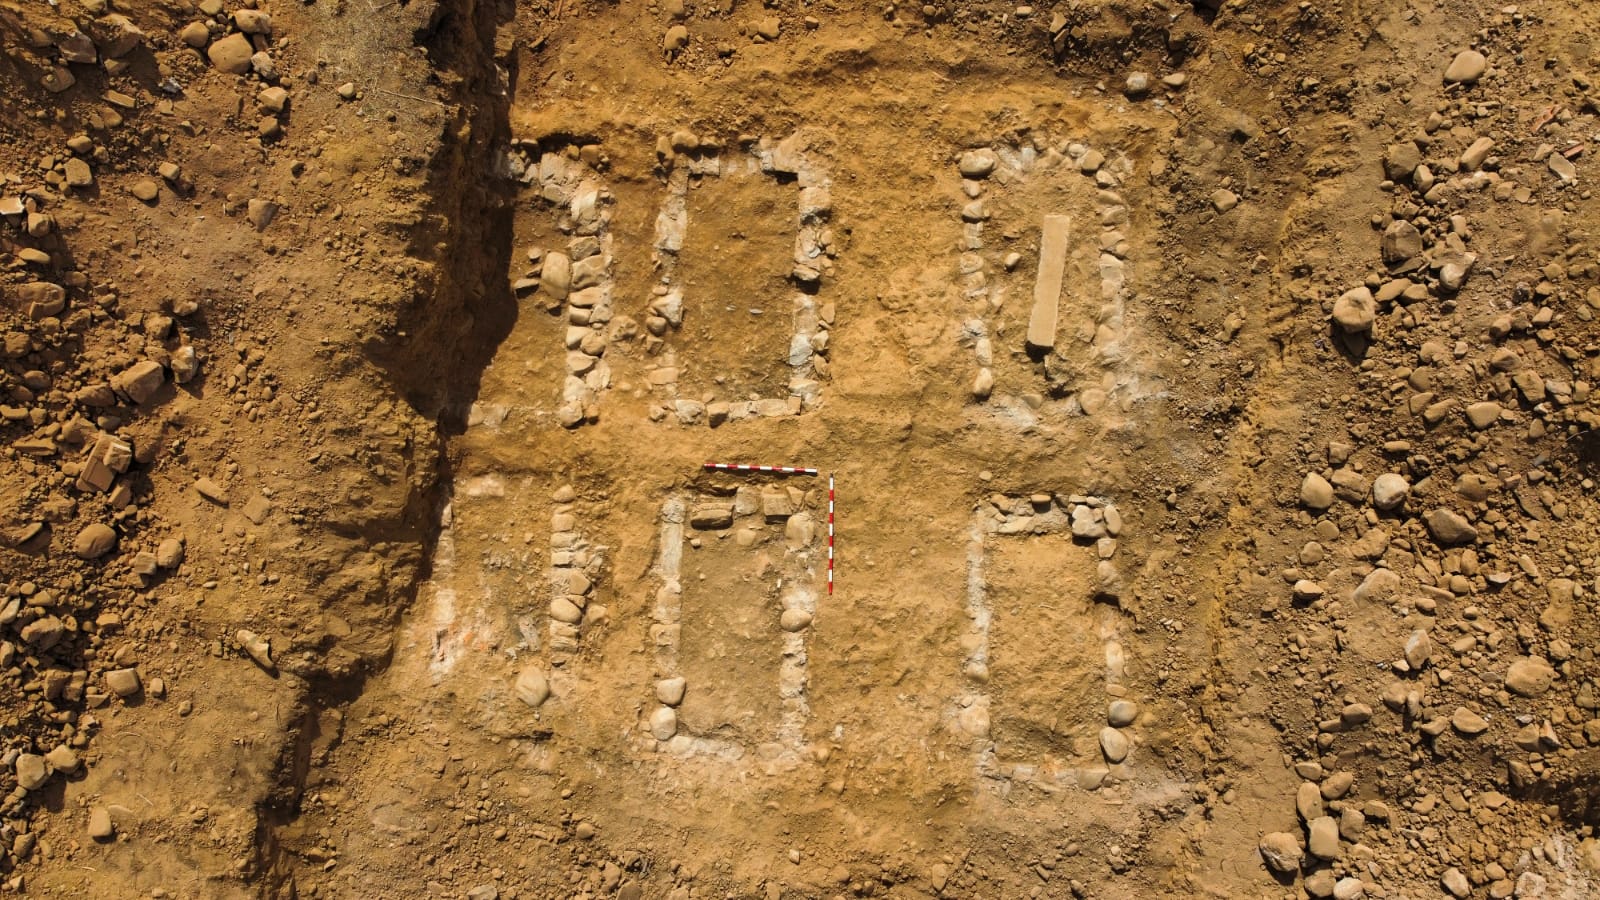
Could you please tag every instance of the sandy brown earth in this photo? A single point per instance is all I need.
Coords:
(1205, 394)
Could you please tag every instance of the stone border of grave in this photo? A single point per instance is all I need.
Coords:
(1012, 165)
(578, 280)
(686, 157)
(683, 515)
(1085, 519)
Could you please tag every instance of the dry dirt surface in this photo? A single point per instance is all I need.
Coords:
(1200, 400)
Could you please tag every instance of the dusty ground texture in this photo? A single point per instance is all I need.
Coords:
(1207, 392)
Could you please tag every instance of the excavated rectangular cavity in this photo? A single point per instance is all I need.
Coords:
(730, 648)
(733, 269)
(1046, 661)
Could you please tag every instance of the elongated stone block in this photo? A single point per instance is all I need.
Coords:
(1047, 289)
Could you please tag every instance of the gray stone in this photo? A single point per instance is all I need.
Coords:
(1122, 713)
(1389, 490)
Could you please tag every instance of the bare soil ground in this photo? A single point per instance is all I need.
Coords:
(360, 363)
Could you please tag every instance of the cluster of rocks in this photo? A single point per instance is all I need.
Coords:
(1085, 520)
(684, 158)
(103, 38)
(745, 519)
(1103, 334)
(764, 29)
(577, 279)
(238, 43)
(576, 565)
(1430, 522)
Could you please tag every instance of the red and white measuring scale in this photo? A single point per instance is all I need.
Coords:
(789, 470)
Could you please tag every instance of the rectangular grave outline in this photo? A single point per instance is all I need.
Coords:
(1107, 346)
(987, 756)
(807, 356)
(799, 570)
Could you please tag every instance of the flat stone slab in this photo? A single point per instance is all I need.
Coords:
(1047, 289)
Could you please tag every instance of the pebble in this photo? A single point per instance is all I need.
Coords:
(532, 687)
(1563, 168)
(1315, 492)
(664, 723)
(1281, 852)
(1349, 888)
(1223, 200)
(31, 771)
(1324, 837)
(78, 173)
(260, 213)
(1308, 801)
(1137, 85)
(1400, 160)
(1450, 527)
(94, 541)
(1114, 744)
(123, 682)
(1466, 68)
(1355, 311)
(1320, 883)
(144, 190)
(259, 648)
(1338, 784)
(62, 759)
(794, 619)
(977, 164)
(231, 54)
(100, 827)
(195, 34)
(1122, 713)
(1389, 490)
(1468, 722)
(1455, 883)
(676, 39)
(768, 27)
(1419, 649)
(1529, 676)
(670, 691)
(1483, 414)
